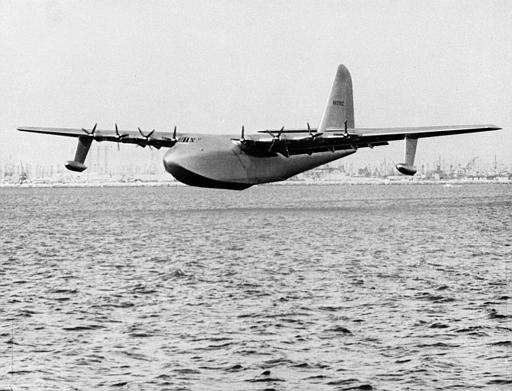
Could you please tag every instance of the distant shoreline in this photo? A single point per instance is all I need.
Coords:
(358, 182)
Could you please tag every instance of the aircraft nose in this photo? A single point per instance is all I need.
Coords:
(171, 161)
(174, 165)
(177, 163)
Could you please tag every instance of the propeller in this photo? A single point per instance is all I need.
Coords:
(313, 135)
(174, 139)
(92, 132)
(242, 136)
(147, 137)
(119, 137)
(275, 138)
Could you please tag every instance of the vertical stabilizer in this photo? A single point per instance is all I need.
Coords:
(340, 106)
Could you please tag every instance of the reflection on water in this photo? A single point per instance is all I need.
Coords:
(276, 287)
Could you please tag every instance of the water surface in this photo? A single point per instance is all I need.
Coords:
(277, 287)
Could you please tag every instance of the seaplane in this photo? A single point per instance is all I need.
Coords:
(238, 162)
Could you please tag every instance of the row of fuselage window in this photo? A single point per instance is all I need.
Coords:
(185, 139)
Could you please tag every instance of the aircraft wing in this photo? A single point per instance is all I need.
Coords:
(153, 138)
(300, 141)
(391, 134)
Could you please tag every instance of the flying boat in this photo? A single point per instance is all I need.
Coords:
(269, 155)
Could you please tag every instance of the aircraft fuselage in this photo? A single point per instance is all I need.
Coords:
(218, 161)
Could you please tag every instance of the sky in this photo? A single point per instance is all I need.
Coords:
(212, 66)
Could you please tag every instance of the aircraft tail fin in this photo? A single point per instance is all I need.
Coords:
(340, 106)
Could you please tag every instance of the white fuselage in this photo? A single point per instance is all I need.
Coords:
(219, 161)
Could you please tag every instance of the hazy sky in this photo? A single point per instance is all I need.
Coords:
(211, 66)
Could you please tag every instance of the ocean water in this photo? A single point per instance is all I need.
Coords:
(400, 287)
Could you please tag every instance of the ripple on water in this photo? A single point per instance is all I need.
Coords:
(294, 287)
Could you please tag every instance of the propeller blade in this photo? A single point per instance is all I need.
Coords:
(120, 136)
(174, 133)
(272, 145)
(91, 133)
(146, 136)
